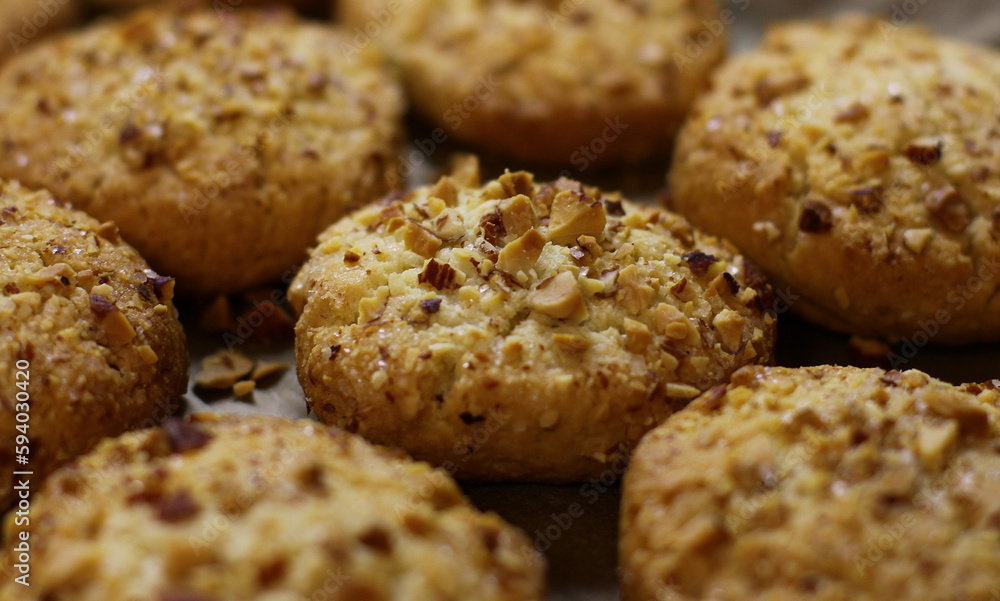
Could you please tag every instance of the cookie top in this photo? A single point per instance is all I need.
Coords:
(219, 143)
(265, 508)
(517, 77)
(533, 299)
(855, 161)
(818, 483)
(96, 327)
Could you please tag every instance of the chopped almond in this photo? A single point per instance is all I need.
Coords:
(521, 254)
(574, 215)
(560, 297)
(518, 214)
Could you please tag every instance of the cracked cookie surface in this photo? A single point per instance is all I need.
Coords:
(856, 162)
(552, 82)
(822, 483)
(231, 507)
(221, 144)
(520, 331)
(105, 350)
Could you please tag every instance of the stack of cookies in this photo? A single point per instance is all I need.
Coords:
(491, 325)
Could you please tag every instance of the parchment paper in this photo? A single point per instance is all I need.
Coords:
(576, 525)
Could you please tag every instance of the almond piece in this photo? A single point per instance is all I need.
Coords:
(637, 336)
(560, 297)
(222, 370)
(446, 190)
(633, 294)
(521, 254)
(729, 324)
(420, 240)
(574, 215)
(449, 225)
(518, 214)
(519, 182)
(571, 343)
(947, 206)
(671, 322)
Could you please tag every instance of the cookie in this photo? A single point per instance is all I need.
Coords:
(24, 22)
(576, 83)
(520, 331)
(220, 145)
(221, 6)
(818, 483)
(90, 345)
(854, 161)
(263, 508)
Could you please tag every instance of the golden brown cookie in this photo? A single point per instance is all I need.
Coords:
(90, 345)
(220, 6)
(824, 483)
(570, 83)
(24, 22)
(520, 331)
(263, 508)
(855, 161)
(220, 145)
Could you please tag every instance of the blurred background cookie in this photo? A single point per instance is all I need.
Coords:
(89, 328)
(817, 483)
(520, 331)
(220, 145)
(220, 6)
(571, 83)
(264, 508)
(24, 22)
(855, 161)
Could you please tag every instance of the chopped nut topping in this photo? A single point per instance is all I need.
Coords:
(853, 114)
(615, 208)
(244, 388)
(637, 336)
(60, 273)
(518, 214)
(916, 240)
(223, 369)
(420, 240)
(774, 86)
(868, 200)
(492, 227)
(560, 297)
(571, 343)
(520, 182)
(446, 190)
(440, 275)
(449, 226)
(699, 262)
(934, 442)
(163, 286)
(109, 231)
(430, 306)
(671, 322)
(729, 324)
(774, 138)
(183, 436)
(574, 215)
(521, 254)
(589, 243)
(265, 370)
(633, 293)
(465, 171)
(947, 206)
(178, 507)
(816, 218)
(925, 151)
(116, 326)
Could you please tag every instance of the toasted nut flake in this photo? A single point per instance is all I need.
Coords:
(491, 225)
(872, 161)
(777, 85)
(518, 214)
(109, 231)
(637, 336)
(680, 391)
(268, 369)
(446, 190)
(395, 223)
(589, 243)
(59, 273)
(633, 294)
(521, 254)
(729, 324)
(699, 262)
(916, 240)
(574, 215)
(549, 419)
(163, 286)
(420, 240)
(371, 308)
(816, 218)
(449, 225)
(440, 275)
(465, 170)
(571, 343)
(560, 297)
(934, 442)
(625, 253)
(852, 114)
(147, 354)
(223, 369)
(520, 182)
(244, 388)
(925, 151)
(671, 322)
(947, 206)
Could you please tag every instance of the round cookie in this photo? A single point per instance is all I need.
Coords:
(90, 345)
(221, 146)
(226, 507)
(222, 6)
(565, 83)
(821, 483)
(518, 331)
(23, 22)
(855, 162)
